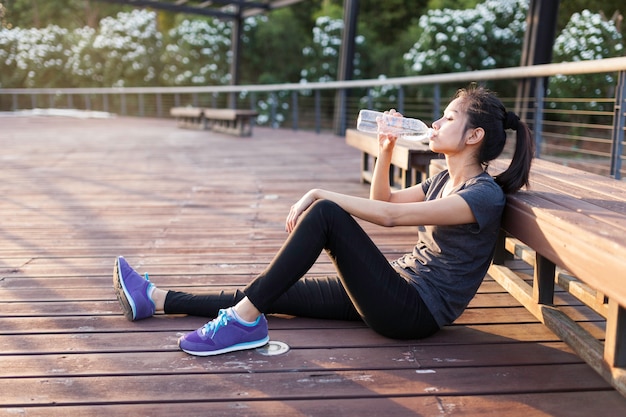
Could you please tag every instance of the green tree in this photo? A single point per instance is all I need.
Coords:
(69, 14)
(197, 53)
(269, 56)
(610, 9)
(126, 50)
(33, 57)
(586, 36)
(485, 37)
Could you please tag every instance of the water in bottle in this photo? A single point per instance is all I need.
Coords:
(411, 129)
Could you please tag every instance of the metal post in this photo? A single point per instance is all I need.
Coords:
(273, 104)
(539, 100)
(340, 111)
(237, 25)
(436, 102)
(141, 105)
(123, 104)
(539, 37)
(401, 100)
(345, 68)
(294, 109)
(619, 122)
(318, 111)
(159, 105)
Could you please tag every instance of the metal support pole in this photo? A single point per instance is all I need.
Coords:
(539, 100)
(294, 109)
(619, 122)
(140, 105)
(237, 25)
(318, 112)
(159, 105)
(345, 69)
(437, 102)
(273, 105)
(401, 100)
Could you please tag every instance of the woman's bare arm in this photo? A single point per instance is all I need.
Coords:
(445, 211)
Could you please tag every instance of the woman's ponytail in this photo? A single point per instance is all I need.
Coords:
(516, 175)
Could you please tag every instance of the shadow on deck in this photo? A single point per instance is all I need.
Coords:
(198, 210)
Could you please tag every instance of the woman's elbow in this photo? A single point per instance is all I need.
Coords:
(387, 220)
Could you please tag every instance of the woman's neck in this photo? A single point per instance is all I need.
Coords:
(461, 170)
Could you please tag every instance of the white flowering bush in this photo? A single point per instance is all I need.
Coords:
(489, 36)
(197, 53)
(322, 56)
(33, 57)
(126, 49)
(587, 36)
(81, 62)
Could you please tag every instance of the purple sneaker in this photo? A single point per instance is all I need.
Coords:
(225, 334)
(132, 291)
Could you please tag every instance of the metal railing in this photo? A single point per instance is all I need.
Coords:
(565, 129)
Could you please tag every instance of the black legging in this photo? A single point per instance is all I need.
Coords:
(367, 287)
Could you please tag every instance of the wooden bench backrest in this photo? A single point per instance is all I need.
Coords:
(575, 219)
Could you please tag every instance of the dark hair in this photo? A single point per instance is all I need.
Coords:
(486, 111)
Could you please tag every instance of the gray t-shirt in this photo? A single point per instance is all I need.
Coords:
(449, 262)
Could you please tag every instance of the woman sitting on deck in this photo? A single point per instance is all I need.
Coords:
(458, 211)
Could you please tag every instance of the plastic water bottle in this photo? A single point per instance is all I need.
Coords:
(411, 129)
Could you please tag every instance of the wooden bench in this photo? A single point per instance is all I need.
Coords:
(232, 121)
(411, 158)
(569, 227)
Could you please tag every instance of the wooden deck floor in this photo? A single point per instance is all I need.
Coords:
(198, 210)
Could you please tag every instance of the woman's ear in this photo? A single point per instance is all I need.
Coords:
(476, 136)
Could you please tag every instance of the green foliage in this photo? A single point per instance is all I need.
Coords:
(33, 57)
(196, 53)
(321, 57)
(387, 19)
(488, 36)
(70, 14)
(126, 50)
(609, 9)
(586, 36)
(452, 4)
(268, 55)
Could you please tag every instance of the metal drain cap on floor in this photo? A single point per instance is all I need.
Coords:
(273, 348)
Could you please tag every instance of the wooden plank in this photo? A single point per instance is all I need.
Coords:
(575, 404)
(355, 358)
(302, 385)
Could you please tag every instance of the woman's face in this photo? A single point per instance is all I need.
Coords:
(450, 130)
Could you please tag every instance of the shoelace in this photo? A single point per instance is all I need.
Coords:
(146, 276)
(214, 325)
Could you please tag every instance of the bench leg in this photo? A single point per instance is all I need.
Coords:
(615, 339)
(365, 166)
(543, 285)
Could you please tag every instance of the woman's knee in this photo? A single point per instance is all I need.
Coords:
(325, 205)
